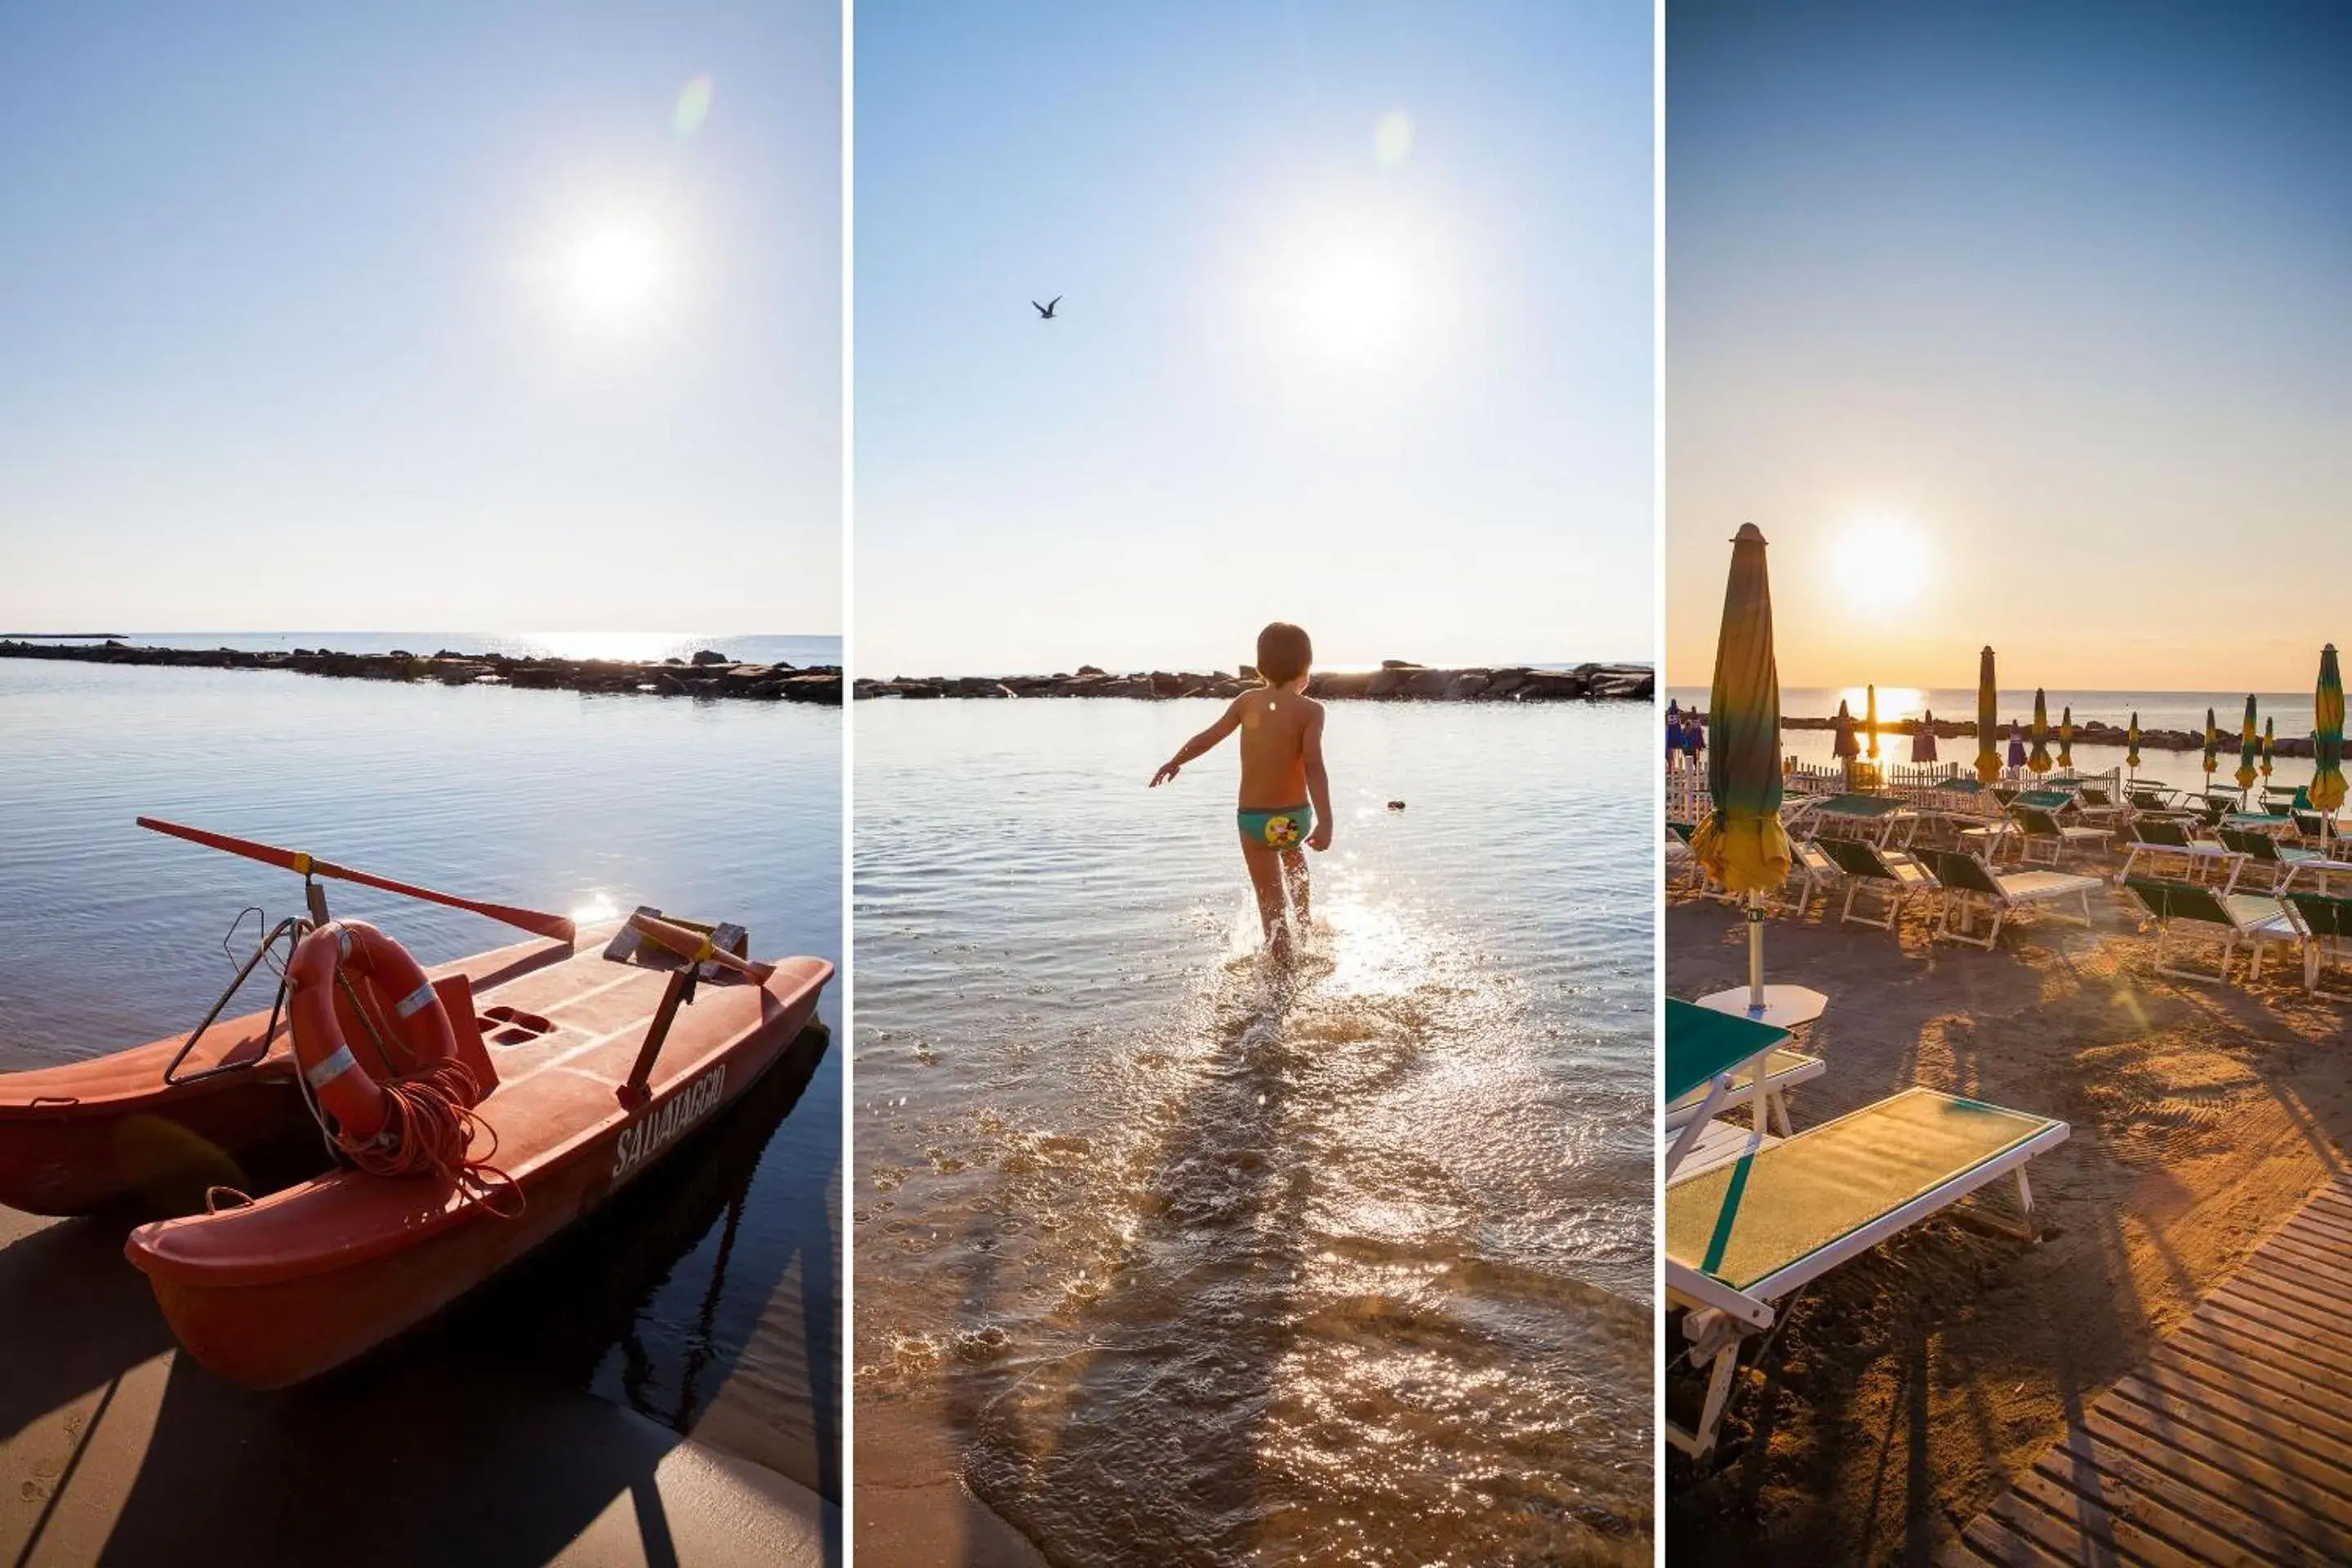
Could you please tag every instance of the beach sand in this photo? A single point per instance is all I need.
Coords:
(1908, 1386)
(116, 1449)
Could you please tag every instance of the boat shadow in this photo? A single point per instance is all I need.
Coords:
(477, 1438)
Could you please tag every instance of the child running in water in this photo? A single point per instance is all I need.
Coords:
(1285, 800)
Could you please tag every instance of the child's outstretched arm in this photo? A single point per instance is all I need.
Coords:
(1318, 783)
(1200, 744)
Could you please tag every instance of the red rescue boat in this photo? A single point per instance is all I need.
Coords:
(559, 1074)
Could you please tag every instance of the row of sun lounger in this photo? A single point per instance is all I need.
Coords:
(1754, 1214)
(1878, 882)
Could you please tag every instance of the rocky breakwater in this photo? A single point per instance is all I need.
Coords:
(2087, 732)
(708, 674)
(1397, 681)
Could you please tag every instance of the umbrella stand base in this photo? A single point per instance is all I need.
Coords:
(1785, 1006)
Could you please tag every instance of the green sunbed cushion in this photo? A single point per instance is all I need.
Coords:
(2324, 913)
(1859, 806)
(1749, 1220)
(1702, 1042)
(2043, 799)
(1965, 872)
(1779, 1064)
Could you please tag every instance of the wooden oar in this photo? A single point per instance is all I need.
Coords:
(532, 920)
(692, 944)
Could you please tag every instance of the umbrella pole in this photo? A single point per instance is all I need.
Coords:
(1756, 953)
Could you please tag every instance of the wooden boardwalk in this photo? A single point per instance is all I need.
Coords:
(2232, 1444)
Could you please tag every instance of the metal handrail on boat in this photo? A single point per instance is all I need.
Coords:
(291, 929)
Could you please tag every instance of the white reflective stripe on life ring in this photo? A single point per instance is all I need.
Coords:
(415, 1001)
(333, 1067)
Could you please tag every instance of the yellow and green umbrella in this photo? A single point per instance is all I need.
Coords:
(2270, 747)
(2212, 747)
(1741, 843)
(2066, 737)
(2039, 761)
(1988, 721)
(2131, 743)
(1923, 738)
(2327, 740)
(2249, 748)
(1870, 720)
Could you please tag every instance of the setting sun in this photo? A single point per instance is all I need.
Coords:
(1880, 563)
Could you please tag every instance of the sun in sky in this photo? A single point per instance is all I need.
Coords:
(617, 272)
(1880, 563)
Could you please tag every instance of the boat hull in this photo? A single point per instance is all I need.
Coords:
(88, 1135)
(309, 1279)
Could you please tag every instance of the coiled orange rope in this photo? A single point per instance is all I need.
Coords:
(429, 1126)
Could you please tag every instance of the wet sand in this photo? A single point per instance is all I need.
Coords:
(1908, 1386)
(472, 1439)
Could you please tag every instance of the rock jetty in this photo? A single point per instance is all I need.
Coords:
(1397, 681)
(709, 673)
(2087, 732)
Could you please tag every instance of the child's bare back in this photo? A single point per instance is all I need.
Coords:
(1275, 725)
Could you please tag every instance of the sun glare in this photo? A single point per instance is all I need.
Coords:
(1350, 293)
(1880, 563)
(616, 272)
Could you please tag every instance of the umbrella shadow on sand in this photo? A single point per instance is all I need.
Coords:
(472, 1438)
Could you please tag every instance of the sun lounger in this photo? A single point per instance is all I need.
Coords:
(1783, 1071)
(2323, 922)
(1893, 875)
(2099, 807)
(2038, 826)
(1968, 882)
(2234, 918)
(2278, 861)
(1874, 817)
(1710, 1058)
(1744, 1237)
(2161, 838)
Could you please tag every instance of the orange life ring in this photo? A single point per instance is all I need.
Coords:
(391, 1002)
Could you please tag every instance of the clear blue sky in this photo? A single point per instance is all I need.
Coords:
(2013, 324)
(436, 315)
(1403, 399)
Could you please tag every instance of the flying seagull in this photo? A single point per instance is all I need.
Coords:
(1046, 312)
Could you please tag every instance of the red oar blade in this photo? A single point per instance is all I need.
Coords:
(693, 944)
(532, 920)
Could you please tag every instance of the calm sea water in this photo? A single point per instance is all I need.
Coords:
(111, 936)
(2289, 711)
(1198, 1265)
(797, 650)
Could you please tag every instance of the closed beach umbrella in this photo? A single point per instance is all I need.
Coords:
(2016, 746)
(1923, 738)
(2131, 743)
(1988, 759)
(2270, 747)
(2066, 738)
(2039, 761)
(1741, 843)
(1870, 719)
(1846, 748)
(2212, 747)
(2249, 748)
(2327, 740)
